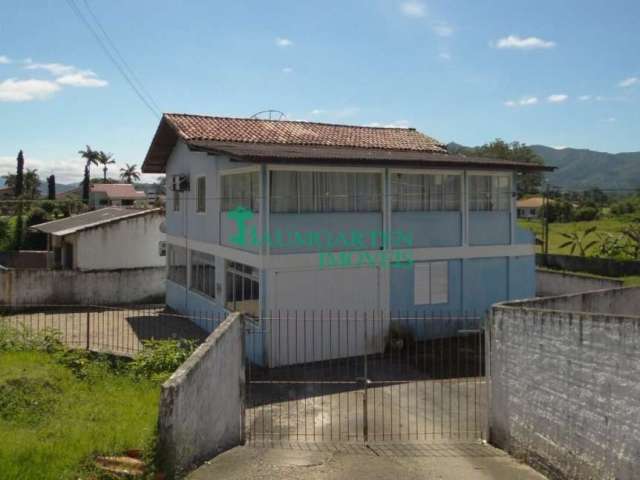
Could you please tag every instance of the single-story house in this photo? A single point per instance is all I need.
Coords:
(266, 216)
(110, 238)
(529, 207)
(116, 195)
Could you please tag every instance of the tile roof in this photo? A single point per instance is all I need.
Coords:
(117, 190)
(95, 218)
(531, 202)
(286, 132)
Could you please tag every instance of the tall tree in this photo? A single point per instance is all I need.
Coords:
(130, 173)
(105, 159)
(51, 187)
(515, 152)
(91, 158)
(31, 183)
(19, 185)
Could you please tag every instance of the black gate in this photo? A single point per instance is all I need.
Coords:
(365, 377)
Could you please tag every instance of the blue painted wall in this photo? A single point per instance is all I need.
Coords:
(524, 236)
(489, 228)
(329, 223)
(522, 277)
(430, 229)
(485, 282)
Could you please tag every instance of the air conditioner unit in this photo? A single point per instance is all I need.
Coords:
(180, 183)
(162, 248)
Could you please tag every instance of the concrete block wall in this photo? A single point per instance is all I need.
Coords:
(69, 287)
(565, 391)
(202, 404)
(550, 282)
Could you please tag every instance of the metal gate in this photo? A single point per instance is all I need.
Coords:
(365, 377)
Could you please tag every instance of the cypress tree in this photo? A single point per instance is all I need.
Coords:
(19, 187)
(51, 187)
(85, 184)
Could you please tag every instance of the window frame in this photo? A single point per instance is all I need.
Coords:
(239, 270)
(445, 199)
(254, 194)
(201, 202)
(176, 272)
(200, 273)
(496, 200)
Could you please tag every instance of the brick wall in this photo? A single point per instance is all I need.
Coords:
(565, 390)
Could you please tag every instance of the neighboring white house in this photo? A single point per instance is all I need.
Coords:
(529, 207)
(115, 194)
(111, 238)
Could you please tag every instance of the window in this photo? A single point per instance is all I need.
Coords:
(489, 192)
(203, 273)
(314, 192)
(201, 195)
(425, 192)
(176, 201)
(177, 264)
(240, 190)
(243, 288)
(431, 283)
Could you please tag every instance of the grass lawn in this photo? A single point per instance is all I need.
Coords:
(608, 225)
(53, 421)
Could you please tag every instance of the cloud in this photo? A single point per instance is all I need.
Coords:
(523, 102)
(523, 43)
(317, 111)
(442, 29)
(283, 42)
(65, 170)
(396, 124)
(628, 82)
(559, 147)
(444, 56)
(336, 113)
(82, 79)
(12, 90)
(4, 60)
(287, 70)
(68, 74)
(585, 98)
(557, 98)
(413, 8)
(610, 119)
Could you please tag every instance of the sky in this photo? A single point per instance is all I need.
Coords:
(560, 73)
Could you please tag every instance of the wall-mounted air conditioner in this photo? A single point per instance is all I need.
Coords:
(180, 183)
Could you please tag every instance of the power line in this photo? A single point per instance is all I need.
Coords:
(122, 59)
(106, 50)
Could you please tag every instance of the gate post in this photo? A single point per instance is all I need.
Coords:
(365, 379)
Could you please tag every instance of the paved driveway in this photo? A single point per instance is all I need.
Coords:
(309, 461)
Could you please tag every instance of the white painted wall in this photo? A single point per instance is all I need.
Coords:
(129, 243)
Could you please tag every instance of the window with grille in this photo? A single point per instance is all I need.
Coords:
(242, 288)
(177, 264)
(203, 273)
(318, 192)
(425, 192)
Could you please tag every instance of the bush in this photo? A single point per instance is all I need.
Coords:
(20, 339)
(36, 216)
(160, 358)
(585, 214)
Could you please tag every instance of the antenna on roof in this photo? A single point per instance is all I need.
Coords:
(269, 115)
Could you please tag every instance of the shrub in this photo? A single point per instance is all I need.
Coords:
(160, 358)
(19, 339)
(585, 214)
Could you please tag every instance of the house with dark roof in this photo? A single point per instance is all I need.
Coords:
(110, 238)
(115, 195)
(266, 216)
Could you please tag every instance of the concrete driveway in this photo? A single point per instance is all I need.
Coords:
(308, 461)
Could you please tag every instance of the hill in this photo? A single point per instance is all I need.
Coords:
(582, 168)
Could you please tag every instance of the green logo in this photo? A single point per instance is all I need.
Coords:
(241, 216)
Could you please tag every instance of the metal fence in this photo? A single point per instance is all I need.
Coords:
(115, 330)
(365, 377)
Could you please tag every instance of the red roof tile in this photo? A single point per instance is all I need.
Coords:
(117, 190)
(285, 132)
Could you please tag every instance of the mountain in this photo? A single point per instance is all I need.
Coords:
(60, 187)
(582, 168)
(579, 168)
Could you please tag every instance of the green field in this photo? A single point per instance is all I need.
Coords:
(53, 420)
(607, 225)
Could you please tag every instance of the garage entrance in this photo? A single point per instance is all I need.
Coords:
(367, 377)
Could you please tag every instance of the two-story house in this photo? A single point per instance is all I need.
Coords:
(266, 216)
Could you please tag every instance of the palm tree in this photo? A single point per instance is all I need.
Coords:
(31, 183)
(105, 159)
(130, 173)
(91, 158)
(578, 241)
